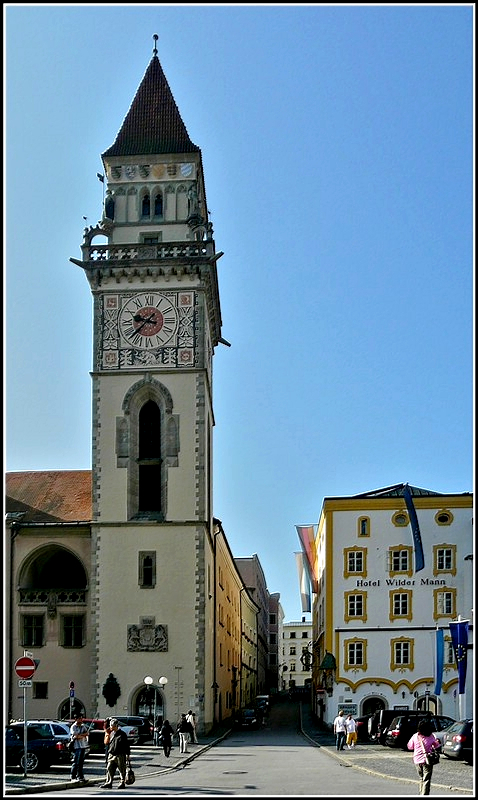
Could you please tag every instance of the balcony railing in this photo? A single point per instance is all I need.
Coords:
(46, 596)
(142, 252)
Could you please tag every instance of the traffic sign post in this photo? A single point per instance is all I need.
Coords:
(72, 695)
(25, 668)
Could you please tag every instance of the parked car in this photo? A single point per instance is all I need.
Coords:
(379, 722)
(143, 724)
(263, 702)
(362, 727)
(60, 729)
(249, 718)
(458, 740)
(97, 733)
(43, 748)
(402, 728)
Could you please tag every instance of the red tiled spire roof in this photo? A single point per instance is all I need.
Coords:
(57, 496)
(153, 123)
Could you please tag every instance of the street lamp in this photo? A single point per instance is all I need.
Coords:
(149, 681)
(162, 684)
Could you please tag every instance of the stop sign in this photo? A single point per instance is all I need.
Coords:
(25, 667)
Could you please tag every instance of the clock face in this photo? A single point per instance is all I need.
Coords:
(148, 320)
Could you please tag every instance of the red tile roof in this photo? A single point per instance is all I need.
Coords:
(153, 123)
(58, 496)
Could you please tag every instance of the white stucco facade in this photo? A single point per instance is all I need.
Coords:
(376, 617)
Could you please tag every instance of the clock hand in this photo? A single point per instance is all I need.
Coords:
(144, 320)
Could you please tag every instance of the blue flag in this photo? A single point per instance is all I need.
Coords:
(459, 638)
(417, 539)
(439, 656)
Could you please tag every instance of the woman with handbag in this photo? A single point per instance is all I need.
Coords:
(425, 748)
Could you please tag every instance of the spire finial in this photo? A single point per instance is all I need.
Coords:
(155, 49)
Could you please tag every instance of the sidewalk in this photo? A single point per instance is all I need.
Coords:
(387, 762)
(145, 759)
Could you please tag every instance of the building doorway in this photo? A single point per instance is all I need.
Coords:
(371, 704)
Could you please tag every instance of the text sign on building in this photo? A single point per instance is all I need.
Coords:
(25, 667)
(347, 708)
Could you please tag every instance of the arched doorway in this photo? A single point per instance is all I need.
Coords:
(371, 704)
(427, 702)
(150, 703)
(66, 710)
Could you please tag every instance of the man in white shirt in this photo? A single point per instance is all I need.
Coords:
(340, 730)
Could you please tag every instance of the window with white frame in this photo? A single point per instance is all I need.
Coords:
(444, 558)
(401, 654)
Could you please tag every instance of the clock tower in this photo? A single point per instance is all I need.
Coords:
(151, 266)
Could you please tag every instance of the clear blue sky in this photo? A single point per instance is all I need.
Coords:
(337, 148)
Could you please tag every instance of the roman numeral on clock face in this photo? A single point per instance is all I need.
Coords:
(148, 320)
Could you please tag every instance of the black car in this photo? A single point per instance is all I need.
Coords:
(458, 741)
(362, 727)
(43, 748)
(402, 728)
(379, 722)
(249, 718)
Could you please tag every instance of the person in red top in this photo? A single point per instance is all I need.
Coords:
(422, 743)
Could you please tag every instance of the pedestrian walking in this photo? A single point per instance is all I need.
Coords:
(106, 737)
(339, 730)
(166, 737)
(423, 742)
(351, 729)
(118, 753)
(191, 718)
(79, 737)
(157, 728)
(183, 729)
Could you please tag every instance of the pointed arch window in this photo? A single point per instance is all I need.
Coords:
(158, 205)
(146, 206)
(109, 206)
(149, 457)
(152, 447)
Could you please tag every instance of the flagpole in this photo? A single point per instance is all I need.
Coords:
(461, 697)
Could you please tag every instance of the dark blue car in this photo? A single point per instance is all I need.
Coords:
(43, 749)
